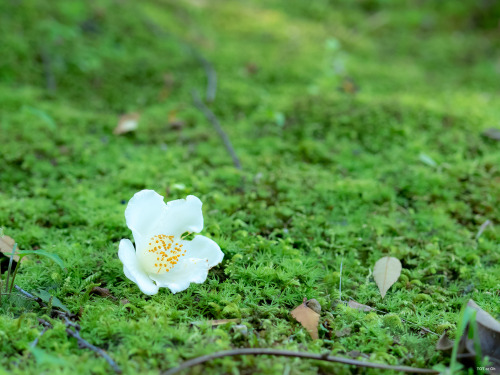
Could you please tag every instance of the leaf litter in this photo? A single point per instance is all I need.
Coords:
(386, 272)
(307, 314)
(127, 123)
(489, 339)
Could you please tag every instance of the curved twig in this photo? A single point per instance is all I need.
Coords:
(289, 353)
(72, 329)
(218, 128)
(210, 72)
(85, 344)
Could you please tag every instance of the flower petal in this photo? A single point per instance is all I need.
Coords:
(128, 274)
(184, 215)
(126, 253)
(145, 212)
(190, 270)
(202, 247)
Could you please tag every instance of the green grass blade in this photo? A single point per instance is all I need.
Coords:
(54, 257)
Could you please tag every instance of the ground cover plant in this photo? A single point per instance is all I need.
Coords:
(359, 131)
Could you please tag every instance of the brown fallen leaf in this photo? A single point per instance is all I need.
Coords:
(174, 122)
(127, 123)
(348, 86)
(444, 343)
(492, 133)
(103, 292)
(359, 306)
(216, 322)
(6, 246)
(489, 333)
(314, 305)
(308, 317)
(386, 272)
(343, 332)
(489, 339)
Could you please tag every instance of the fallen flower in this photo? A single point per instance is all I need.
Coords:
(162, 257)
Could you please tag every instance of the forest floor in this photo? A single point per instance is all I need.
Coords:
(360, 130)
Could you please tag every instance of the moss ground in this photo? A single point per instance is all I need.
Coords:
(358, 125)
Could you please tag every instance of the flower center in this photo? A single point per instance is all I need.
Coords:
(162, 254)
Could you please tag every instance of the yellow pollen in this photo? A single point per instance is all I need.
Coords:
(166, 254)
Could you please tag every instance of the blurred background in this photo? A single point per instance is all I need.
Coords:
(359, 128)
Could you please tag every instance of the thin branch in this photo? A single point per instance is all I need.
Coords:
(210, 72)
(211, 76)
(482, 228)
(289, 353)
(85, 344)
(30, 296)
(210, 116)
(46, 327)
(50, 80)
(69, 324)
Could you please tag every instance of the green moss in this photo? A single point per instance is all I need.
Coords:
(329, 174)
(393, 322)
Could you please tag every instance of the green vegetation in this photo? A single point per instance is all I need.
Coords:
(358, 126)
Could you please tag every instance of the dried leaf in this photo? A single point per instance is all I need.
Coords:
(386, 272)
(6, 246)
(216, 322)
(308, 318)
(314, 305)
(489, 332)
(359, 306)
(348, 86)
(444, 343)
(492, 133)
(343, 332)
(489, 339)
(127, 123)
(174, 122)
(103, 292)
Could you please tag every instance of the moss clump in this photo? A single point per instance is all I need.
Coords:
(393, 322)
(358, 126)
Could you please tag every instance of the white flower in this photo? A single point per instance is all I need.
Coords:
(162, 258)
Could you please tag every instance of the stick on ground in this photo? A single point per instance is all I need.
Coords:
(218, 128)
(82, 343)
(289, 353)
(75, 332)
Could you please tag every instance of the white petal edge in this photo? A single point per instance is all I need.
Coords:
(128, 274)
(184, 215)
(145, 212)
(202, 247)
(126, 253)
(190, 270)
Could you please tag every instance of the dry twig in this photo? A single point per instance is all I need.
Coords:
(289, 353)
(210, 72)
(82, 343)
(75, 332)
(218, 128)
(50, 80)
(46, 327)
